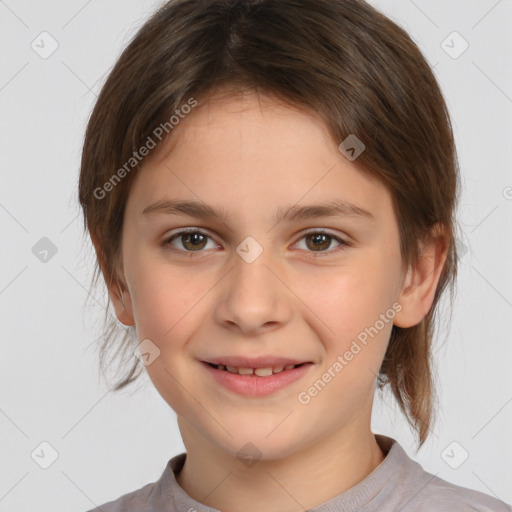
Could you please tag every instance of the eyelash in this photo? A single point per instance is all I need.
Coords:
(343, 243)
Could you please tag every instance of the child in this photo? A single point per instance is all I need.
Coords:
(270, 187)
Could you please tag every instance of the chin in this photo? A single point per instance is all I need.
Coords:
(254, 441)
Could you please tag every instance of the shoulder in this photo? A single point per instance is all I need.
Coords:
(412, 489)
(440, 495)
(433, 494)
(135, 501)
(151, 497)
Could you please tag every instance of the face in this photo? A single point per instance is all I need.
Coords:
(256, 282)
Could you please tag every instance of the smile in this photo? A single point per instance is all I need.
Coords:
(260, 372)
(256, 382)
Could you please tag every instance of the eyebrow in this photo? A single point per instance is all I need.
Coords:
(201, 210)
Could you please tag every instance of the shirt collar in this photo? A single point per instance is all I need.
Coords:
(393, 470)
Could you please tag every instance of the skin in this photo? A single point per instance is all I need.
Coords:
(254, 155)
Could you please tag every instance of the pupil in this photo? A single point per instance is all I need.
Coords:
(320, 241)
(195, 239)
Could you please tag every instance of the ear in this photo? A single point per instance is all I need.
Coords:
(420, 284)
(118, 292)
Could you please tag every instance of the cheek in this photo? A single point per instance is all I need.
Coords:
(164, 298)
(355, 306)
(350, 299)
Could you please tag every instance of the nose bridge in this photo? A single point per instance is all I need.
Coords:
(254, 297)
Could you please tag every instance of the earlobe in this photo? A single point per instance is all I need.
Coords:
(420, 284)
(118, 293)
(122, 304)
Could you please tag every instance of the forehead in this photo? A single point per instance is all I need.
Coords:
(248, 148)
(246, 121)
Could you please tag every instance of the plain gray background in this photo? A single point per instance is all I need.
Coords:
(50, 388)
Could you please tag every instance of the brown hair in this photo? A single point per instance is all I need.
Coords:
(341, 59)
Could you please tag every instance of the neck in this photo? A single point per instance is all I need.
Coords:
(303, 480)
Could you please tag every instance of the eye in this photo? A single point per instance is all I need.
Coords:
(192, 240)
(317, 241)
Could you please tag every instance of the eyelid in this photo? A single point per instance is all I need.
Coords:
(205, 231)
(325, 231)
(175, 234)
(344, 242)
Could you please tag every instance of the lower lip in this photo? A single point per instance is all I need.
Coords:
(254, 386)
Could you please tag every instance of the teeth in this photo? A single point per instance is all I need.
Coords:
(263, 372)
(260, 372)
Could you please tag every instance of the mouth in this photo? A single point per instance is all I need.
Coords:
(256, 382)
(257, 372)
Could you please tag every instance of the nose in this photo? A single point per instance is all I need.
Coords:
(254, 297)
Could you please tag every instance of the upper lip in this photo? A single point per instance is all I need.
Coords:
(254, 362)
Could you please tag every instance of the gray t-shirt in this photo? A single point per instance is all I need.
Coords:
(397, 484)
